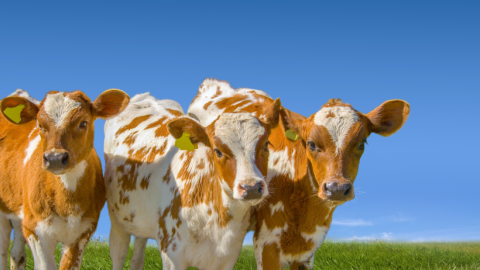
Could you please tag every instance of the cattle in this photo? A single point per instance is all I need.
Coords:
(310, 173)
(52, 185)
(194, 199)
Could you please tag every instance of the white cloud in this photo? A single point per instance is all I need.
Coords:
(385, 236)
(352, 222)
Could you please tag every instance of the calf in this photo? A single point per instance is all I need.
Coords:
(195, 203)
(309, 174)
(52, 184)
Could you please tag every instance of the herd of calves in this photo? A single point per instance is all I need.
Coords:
(196, 182)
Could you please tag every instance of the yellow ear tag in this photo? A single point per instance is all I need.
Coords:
(184, 142)
(14, 113)
(292, 135)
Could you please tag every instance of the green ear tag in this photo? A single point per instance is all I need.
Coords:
(292, 135)
(184, 143)
(14, 113)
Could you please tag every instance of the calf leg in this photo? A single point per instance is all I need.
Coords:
(18, 257)
(119, 240)
(72, 254)
(268, 257)
(43, 250)
(138, 255)
(5, 230)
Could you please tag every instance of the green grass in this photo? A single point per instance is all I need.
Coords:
(331, 255)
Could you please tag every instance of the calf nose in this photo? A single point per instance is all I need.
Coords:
(55, 160)
(337, 191)
(251, 192)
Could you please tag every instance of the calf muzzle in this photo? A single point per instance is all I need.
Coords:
(252, 192)
(56, 161)
(338, 191)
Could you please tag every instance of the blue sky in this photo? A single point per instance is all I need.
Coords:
(418, 185)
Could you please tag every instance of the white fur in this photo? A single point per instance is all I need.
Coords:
(208, 90)
(58, 108)
(277, 207)
(285, 164)
(23, 93)
(32, 145)
(338, 125)
(70, 179)
(43, 250)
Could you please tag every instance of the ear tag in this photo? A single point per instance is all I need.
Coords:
(292, 135)
(184, 142)
(14, 113)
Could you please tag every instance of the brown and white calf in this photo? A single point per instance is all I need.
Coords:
(308, 177)
(195, 204)
(52, 184)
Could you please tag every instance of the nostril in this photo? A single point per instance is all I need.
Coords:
(65, 159)
(348, 190)
(45, 159)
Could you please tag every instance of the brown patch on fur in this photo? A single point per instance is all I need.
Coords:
(135, 122)
(130, 140)
(175, 113)
(207, 104)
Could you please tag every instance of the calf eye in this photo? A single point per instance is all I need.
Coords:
(218, 152)
(41, 128)
(361, 146)
(312, 146)
(83, 124)
(265, 147)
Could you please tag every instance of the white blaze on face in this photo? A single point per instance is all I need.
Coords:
(58, 107)
(241, 132)
(338, 120)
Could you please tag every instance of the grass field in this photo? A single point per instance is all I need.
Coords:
(332, 255)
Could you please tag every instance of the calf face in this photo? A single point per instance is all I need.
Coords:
(335, 138)
(239, 147)
(65, 121)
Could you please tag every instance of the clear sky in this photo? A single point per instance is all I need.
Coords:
(418, 185)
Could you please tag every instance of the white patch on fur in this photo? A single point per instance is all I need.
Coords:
(43, 250)
(276, 207)
(337, 125)
(241, 132)
(279, 162)
(267, 237)
(32, 145)
(317, 238)
(23, 93)
(58, 107)
(70, 179)
(209, 89)
(63, 229)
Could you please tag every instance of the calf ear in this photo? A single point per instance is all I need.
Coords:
(18, 110)
(292, 124)
(110, 103)
(184, 124)
(389, 117)
(272, 113)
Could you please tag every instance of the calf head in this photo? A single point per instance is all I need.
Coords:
(335, 139)
(238, 145)
(65, 121)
